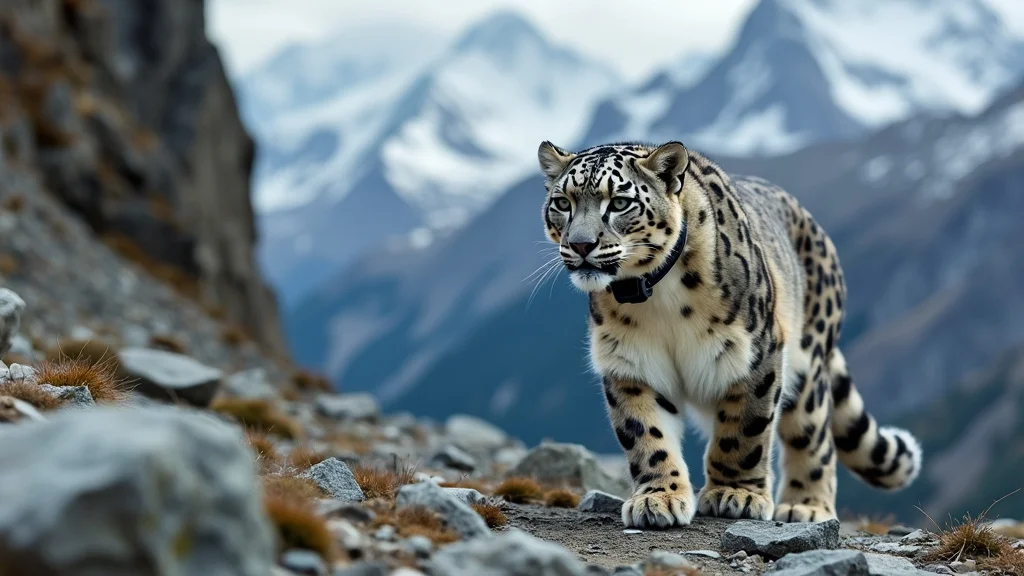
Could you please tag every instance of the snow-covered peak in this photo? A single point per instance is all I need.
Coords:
(887, 59)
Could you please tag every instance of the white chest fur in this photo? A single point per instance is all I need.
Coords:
(685, 356)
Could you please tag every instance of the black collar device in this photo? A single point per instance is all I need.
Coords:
(638, 290)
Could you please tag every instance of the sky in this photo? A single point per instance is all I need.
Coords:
(635, 37)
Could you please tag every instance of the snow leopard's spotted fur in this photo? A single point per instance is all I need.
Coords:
(742, 333)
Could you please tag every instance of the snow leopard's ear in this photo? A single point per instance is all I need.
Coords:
(668, 163)
(553, 160)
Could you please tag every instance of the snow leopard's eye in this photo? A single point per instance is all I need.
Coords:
(562, 203)
(620, 204)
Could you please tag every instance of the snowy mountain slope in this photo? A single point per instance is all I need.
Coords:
(444, 143)
(806, 71)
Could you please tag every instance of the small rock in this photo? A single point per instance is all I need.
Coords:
(632, 531)
(331, 508)
(601, 503)
(455, 458)
(895, 548)
(665, 560)
(251, 384)
(424, 477)
(964, 567)
(458, 515)
(364, 569)
(473, 434)
(466, 495)
(181, 483)
(21, 373)
(776, 539)
(556, 462)
(883, 565)
(900, 530)
(72, 396)
(335, 478)
(305, 562)
(823, 563)
(917, 537)
(351, 539)
(360, 406)
(938, 569)
(11, 306)
(705, 553)
(512, 553)
(14, 410)
(420, 546)
(385, 533)
(741, 555)
(168, 376)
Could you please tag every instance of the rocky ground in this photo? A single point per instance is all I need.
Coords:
(130, 459)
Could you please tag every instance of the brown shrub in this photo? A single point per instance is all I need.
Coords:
(520, 490)
(307, 381)
(100, 377)
(970, 538)
(303, 457)
(1009, 562)
(562, 499)
(293, 487)
(258, 414)
(262, 446)
(417, 521)
(491, 514)
(31, 393)
(169, 343)
(298, 526)
(382, 483)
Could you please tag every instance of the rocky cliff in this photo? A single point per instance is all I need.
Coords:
(130, 122)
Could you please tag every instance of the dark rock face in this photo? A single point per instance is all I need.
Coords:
(131, 123)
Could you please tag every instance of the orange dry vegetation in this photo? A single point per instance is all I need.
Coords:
(491, 514)
(382, 483)
(562, 499)
(100, 377)
(416, 521)
(260, 415)
(303, 457)
(520, 490)
(299, 526)
(31, 393)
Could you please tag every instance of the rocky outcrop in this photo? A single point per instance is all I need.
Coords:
(131, 122)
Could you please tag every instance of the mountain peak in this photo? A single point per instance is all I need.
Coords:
(500, 34)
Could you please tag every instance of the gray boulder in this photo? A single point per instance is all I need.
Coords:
(359, 406)
(776, 539)
(146, 491)
(512, 553)
(572, 463)
(885, 565)
(252, 384)
(456, 513)
(11, 306)
(164, 375)
(335, 478)
(72, 396)
(473, 434)
(599, 502)
(453, 457)
(467, 495)
(823, 563)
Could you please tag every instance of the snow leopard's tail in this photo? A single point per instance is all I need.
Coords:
(884, 457)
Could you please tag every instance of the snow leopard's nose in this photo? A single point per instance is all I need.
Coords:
(583, 248)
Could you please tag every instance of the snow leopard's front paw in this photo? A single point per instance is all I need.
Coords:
(726, 502)
(659, 508)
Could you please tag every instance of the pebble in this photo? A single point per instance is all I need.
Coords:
(666, 560)
(600, 502)
(939, 569)
(632, 531)
(705, 553)
(304, 562)
(420, 546)
(895, 548)
(964, 567)
(385, 533)
(917, 536)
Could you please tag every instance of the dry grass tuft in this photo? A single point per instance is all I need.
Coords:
(260, 415)
(298, 526)
(491, 514)
(1009, 562)
(234, 335)
(1015, 531)
(470, 483)
(303, 457)
(416, 521)
(169, 343)
(562, 499)
(970, 538)
(262, 446)
(290, 486)
(31, 393)
(349, 442)
(382, 483)
(99, 376)
(307, 381)
(520, 490)
(93, 351)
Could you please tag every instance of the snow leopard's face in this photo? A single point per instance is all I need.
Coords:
(613, 210)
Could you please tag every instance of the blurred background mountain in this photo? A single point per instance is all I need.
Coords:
(394, 207)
